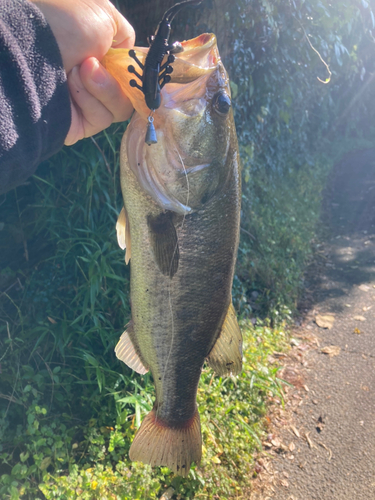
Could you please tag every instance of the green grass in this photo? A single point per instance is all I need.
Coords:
(282, 213)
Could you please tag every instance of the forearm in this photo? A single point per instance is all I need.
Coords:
(34, 99)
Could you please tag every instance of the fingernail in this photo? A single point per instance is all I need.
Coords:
(98, 74)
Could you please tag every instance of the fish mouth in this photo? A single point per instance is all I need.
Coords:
(162, 170)
(199, 58)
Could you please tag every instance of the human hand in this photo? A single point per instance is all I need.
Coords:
(97, 100)
(85, 30)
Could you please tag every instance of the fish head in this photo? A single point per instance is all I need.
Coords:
(194, 126)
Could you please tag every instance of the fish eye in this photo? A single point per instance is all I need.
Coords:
(221, 103)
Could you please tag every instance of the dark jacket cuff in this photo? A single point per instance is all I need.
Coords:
(34, 99)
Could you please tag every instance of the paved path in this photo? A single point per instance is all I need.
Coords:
(337, 413)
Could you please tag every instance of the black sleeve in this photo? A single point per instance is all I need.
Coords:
(35, 110)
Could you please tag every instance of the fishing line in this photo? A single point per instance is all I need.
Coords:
(170, 269)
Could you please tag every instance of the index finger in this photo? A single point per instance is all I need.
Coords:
(125, 34)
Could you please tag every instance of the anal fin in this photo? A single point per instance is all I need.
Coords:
(225, 357)
(125, 351)
(123, 233)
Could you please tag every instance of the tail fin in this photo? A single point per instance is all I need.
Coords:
(157, 444)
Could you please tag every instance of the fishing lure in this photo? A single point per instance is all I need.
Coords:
(155, 74)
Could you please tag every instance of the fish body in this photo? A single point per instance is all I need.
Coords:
(181, 220)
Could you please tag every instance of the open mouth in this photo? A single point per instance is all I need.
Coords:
(199, 58)
(163, 170)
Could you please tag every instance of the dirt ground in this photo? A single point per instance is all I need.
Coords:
(321, 445)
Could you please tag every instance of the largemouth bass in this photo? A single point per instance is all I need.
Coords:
(180, 227)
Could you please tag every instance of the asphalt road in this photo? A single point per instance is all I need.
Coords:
(333, 453)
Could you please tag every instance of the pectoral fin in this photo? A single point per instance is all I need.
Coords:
(123, 234)
(125, 351)
(225, 357)
(164, 242)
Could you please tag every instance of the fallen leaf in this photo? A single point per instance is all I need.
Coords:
(359, 318)
(331, 350)
(356, 330)
(303, 347)
(311, 443)
(168, 494)
(51, 320)
(326, 448)
(279, 354)
(325, 321)
(364, 288)
(295, 430)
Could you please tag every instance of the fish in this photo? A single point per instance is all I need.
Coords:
(180, 229)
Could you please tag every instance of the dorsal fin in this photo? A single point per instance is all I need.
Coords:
(126, 352)
(225, 357)
(164, 242)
